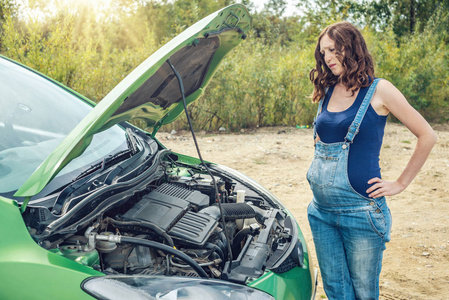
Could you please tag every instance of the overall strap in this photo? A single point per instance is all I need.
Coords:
(354, 128)
(320, 106)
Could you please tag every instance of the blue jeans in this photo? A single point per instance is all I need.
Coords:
(349, 246)
(349, 230)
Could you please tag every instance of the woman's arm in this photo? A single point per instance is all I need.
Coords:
(389, 98)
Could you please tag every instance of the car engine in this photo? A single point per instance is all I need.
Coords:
(172, 225)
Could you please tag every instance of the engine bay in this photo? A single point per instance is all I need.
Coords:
(172, 225)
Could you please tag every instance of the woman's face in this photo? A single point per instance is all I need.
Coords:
(328, 50)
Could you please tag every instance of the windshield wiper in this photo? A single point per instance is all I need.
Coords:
(133, 154)
(131, 141)
(100, 166)
(132, 150)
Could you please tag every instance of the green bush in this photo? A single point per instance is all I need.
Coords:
(263, 82)
(258, 85)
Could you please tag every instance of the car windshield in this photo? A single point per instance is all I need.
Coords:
(36, 115)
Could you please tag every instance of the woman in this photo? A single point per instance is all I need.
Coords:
(349, 216)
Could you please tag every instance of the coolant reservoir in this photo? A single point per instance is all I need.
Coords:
(240, 196)
(240, 199)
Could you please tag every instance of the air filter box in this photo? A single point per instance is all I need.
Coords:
(166, 205)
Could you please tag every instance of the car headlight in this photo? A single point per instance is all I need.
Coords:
(168, 288)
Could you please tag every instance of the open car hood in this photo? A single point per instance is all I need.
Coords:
(151, 92)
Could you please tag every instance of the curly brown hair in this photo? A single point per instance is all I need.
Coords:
(352, 52)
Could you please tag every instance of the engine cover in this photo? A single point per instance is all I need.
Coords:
(169, 207)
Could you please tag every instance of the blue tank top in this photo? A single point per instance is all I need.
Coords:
(363, 160)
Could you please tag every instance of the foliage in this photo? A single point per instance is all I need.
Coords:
(76, 48)
(412, 15)
(419, 67)
(403, 17)
(258, 85)
(263, 82)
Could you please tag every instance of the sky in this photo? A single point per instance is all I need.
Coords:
(291, 8)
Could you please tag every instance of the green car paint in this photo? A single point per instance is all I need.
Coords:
(28, 271)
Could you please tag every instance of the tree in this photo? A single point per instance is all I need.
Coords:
(412, 15)
(276, 7)
(404, 16)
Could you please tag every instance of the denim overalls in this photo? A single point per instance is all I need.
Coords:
(349, 230)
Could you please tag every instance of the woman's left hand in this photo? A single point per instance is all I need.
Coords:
(382, 188)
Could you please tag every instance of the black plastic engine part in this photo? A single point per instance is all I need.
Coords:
(193, 228)
(278, 252)
(194, 197)
(249, 264)
(141, 224)
(39, 217)
(289, 251)
(165, 205)
(231, 211)
(295, 259)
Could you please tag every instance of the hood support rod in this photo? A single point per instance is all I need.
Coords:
(24, 204)
(217, 197)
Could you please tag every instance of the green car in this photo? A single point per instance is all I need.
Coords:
(92, 207)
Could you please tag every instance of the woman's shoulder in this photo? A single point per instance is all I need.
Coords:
(385, 93)
(384, 83)
(386, 90)
(388, 98)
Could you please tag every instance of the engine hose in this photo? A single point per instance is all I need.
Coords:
(222, 247)
(165, 248)
(223, 241)
(216, 249)
(147, 225)
(235, 211)
(236, 243)
(260, 214)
